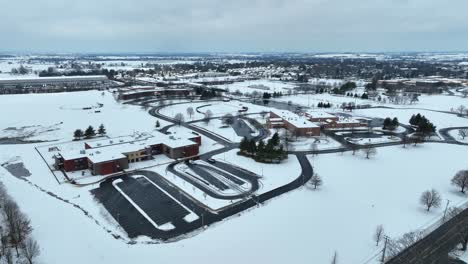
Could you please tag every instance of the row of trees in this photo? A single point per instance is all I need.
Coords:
(363, 96)
(272, 151)
(20, 70)
(15, 233)
(344, 88)
(461, 110)
(324, 105)
(89, 132)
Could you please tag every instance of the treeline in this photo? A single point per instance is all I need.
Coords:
(51, 72)
(324, 105)
(89, 132)
(270, 152)
(16, 242)
(344, 88)
(206, 93)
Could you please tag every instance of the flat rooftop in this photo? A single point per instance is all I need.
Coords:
(294, 119)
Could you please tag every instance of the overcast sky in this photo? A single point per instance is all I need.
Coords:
(233, 25)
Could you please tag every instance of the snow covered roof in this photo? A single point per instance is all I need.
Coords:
(115, 148)
(294, 119)
(318, 114)
(99, 156)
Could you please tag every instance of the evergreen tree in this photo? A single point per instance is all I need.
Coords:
(387, 124)
(78, 134)
(89, 132)
(157, 123)
(252, 147)
(102, 130)
(395, 122)
(275, 140)
(260, 149)
(365, 96)
(244, 145)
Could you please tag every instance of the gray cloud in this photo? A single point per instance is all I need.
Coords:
(228, 25)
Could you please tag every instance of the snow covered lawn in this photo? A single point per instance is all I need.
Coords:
(455, 134)
(63, 113)
(441, 120)
(260, 86)
(383, 190)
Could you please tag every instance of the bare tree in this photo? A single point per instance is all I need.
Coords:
(228, 119)
(179, 118)
(463, 133)
(461, 110)
(190, 111)
(430, 198)
(369, 150)
(404, 242)
(207, 116)
(9, 256)
(378, 235)
(20, 230)
(314, 148)
(354, 148)
(316, 181)
(464, 92)
(30, 250)
(334, 258)
(405, 140)
(461, 180)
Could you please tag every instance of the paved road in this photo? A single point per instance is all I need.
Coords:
(434, 248)
(444, 132)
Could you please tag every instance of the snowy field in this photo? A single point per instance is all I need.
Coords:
(441, 120)
(310, 221)
(361, 199)
(260, 86)
(217, 126)
(64, 113)
(433, 102)
(455, 134)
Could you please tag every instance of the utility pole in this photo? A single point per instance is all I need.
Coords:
(384, 249)
(446, 208)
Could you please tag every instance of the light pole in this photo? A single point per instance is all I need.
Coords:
(446, 208)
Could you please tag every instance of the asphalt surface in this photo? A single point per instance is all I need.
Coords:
(434, 248)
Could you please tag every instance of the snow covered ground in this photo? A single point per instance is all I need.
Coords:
(441, 120)
(65, 112)
(455, 134)
(373, 192)
(304, 225)
(295, 227)
(260, 86)
(217, 126)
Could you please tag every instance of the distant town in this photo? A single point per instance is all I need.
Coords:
(361, 157)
